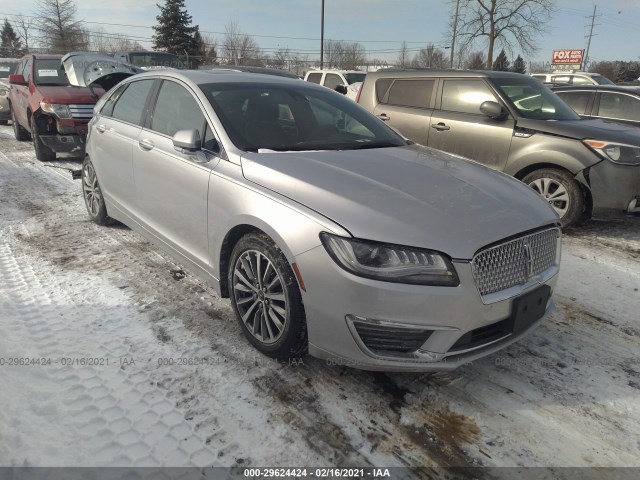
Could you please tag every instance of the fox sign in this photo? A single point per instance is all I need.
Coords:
(567, 57)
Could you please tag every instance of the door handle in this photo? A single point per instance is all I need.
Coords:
(384, 117)
(101, 128)
(146, 145)
(441, 127)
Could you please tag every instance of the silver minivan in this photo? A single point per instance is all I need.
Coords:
(513, 123)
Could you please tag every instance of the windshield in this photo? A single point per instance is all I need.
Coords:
(291, 117)
(354, 77)
(533, 100)
(50, 72)
(155, 59)
(602, 80)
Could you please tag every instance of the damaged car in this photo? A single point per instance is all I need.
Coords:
(330, 233)
(52, 98)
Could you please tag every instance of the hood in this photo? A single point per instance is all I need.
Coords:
(68, 95)
(596, 129)
(86, 69)
(411, 195)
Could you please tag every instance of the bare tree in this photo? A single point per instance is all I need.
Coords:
(281, 58)
(239, 48)
(110, 43)
(506, 23)
(24, 28)
(211, 43)
(430, 57)
(475, 61)
(58, 28)
(403, 56)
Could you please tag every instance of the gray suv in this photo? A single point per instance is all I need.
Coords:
(513, 123)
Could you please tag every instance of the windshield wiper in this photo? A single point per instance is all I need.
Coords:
(372, 145)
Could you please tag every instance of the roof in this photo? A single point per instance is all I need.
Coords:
(437, 72)
(221, 75)
(603, 88)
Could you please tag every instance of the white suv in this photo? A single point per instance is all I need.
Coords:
(572, 78)
(351, 79)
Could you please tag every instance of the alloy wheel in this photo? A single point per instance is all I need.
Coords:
(91, 189)
(553, 192)
(260, 297)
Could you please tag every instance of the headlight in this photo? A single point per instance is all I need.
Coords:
(616, 152)
(390, 263)
(57, 109)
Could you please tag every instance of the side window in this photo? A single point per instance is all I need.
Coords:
(465, 96)
(129, 106)
(615, 105)
(107, 108)
(576, 100)
(578, 80)
(382, 86)
(176, 109)
(411, 93)
(314, 77)
(332, 81)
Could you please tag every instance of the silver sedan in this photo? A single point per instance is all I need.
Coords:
(329, 232)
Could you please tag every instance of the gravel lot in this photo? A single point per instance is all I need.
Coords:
(132, 361)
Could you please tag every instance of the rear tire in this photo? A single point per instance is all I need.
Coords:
(93, 199)
(21, 133)
(43, 153)
(266, 299)
(562, 192)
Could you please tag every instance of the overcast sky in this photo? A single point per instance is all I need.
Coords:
(379, 25)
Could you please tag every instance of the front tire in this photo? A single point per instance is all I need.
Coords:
(93, 199)
(21, 133)
(562, 192)
(266, 298)
(43, 153)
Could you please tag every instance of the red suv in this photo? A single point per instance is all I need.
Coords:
(52, 99)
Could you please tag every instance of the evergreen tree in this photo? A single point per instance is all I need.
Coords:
(198, 53)
(11, 46)
(502, 62)
(519, 66)
(174, 32)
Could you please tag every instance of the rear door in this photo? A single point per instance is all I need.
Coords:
(407, 105)
(114, 135)
(171, 186)
(459, 127)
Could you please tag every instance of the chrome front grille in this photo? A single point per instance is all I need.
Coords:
(81, 111)
(515, 262)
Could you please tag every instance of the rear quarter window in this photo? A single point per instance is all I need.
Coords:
(314, 78)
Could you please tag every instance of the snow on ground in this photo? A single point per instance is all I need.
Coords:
(140, 365)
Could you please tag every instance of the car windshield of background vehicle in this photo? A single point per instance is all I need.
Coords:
(50, 72)
(151, 59)
(533, 100)
(289, 118)
(354, 77)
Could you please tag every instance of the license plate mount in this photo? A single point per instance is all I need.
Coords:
(529, 308)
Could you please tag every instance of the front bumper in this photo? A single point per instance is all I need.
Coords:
(335, 299)
(65, 143)
(615, 189)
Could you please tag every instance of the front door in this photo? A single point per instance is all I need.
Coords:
(172, 187)
(459, 127)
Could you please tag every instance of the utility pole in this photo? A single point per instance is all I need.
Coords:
(322, 37)
(585, 60)
(455, 31)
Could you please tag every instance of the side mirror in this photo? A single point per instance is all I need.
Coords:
(493, 110)
(187, 141)
(17, 79)
(341, 89)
